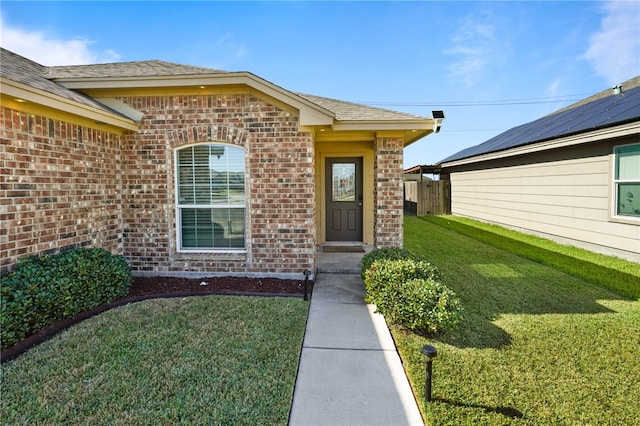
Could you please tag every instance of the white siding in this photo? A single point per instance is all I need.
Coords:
(567, 198)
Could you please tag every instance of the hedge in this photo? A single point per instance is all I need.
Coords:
(408, 292)
(44, 289)
(388, 253)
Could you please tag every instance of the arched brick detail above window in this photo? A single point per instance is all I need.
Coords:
(212, 133)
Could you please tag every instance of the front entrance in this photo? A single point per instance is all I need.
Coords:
(344, 198)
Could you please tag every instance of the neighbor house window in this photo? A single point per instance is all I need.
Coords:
(626, 180)
(210, 197)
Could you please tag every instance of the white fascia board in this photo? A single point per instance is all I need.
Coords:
(41, 97)
(310, 113)
(382, 125)
(578, 139)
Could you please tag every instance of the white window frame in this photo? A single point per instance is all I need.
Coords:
(614, 187)
(179, 206)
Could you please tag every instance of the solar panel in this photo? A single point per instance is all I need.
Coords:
(598, 113)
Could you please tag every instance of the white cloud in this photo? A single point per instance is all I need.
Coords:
(474, 48)
(227, 43)
(46, 50)
(554, 88)
(227, 51)
(614, 51)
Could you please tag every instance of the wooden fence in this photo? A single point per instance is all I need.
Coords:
(427, 197)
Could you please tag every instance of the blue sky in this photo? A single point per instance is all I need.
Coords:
(489, 65)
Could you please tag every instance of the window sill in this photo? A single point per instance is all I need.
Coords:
(211, 255)
(625, 219)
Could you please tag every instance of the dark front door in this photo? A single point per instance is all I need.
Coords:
(344, 199)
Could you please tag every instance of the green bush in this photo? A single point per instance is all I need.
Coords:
(44, 289)
(409, 292)
(389, 253)
(425, 306)
(395, 269)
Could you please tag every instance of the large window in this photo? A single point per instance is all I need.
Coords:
(626, 180)
(210, 197)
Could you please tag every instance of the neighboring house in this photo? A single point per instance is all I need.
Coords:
(192, 171)
(573, 176)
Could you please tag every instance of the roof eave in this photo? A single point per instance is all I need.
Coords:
(411, 130)
(404, 125)
(26, 93)
(591, 136)
(310, 113)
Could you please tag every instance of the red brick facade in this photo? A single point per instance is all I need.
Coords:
(388, 194)
(64, 185)
(60, 186)
(280, 234)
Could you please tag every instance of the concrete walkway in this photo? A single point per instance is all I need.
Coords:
(350, 372)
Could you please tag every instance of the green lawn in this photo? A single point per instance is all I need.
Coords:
(198, 360)
(537, 345)
(611, 272)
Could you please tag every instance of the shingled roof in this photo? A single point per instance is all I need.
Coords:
(22, 70)
(352, 111)
(128, 69)
(53, 79)
(604, 109)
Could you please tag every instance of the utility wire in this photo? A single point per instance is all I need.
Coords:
(526, 101)
(473, 130)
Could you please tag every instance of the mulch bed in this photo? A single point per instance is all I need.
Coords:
(235, 285)
(143, 288)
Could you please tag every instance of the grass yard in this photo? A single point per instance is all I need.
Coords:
(197, 360)
(537, 345)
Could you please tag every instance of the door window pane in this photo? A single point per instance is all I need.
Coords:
(343, 182)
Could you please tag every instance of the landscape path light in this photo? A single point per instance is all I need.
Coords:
(430, 352)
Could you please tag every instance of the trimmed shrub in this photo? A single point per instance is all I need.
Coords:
(425, 306)
(389, 253)
(44, 289)
(395, 270)
(409, 292)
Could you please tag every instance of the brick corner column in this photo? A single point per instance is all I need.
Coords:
(388, 194)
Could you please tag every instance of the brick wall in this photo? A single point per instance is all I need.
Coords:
(280, 185)
(65, 185)
(388, 194)
(60, 187)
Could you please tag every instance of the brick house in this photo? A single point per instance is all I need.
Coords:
(192, 171)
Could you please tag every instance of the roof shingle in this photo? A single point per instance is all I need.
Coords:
(128, 69)
(346, 111)
(18, 68)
